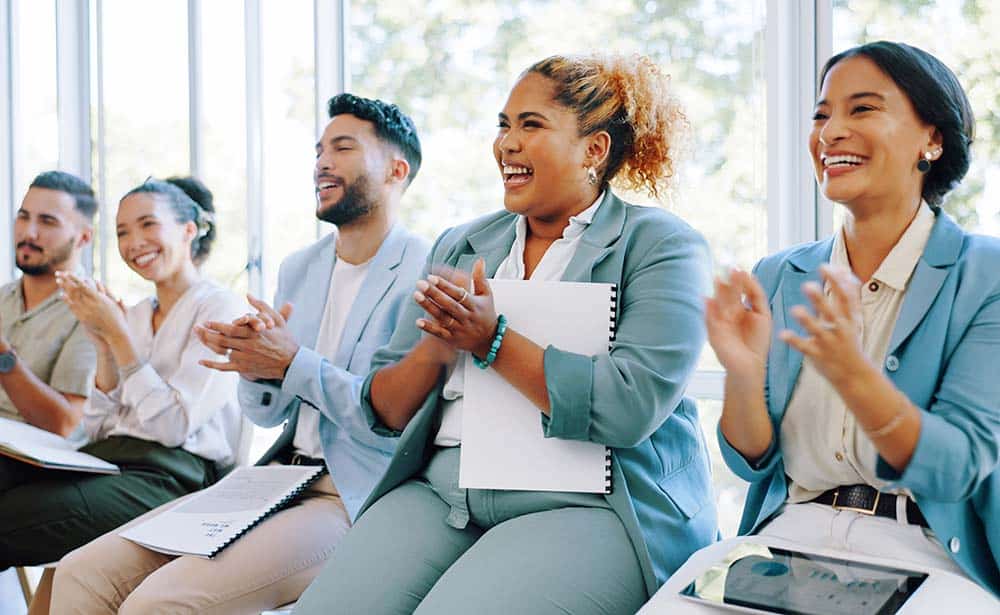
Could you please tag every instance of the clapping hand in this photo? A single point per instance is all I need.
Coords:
(833, 344)
(100, 312)
(739, 324)
(463, 320)
(259, 346)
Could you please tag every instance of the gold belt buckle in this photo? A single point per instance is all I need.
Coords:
(864, 511)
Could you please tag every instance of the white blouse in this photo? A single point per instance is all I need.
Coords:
(552, 266)
(822, 444)
(172, 399)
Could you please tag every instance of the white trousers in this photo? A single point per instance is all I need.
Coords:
(820, 529)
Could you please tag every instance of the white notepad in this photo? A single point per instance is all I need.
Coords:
(503, 445)
(44, 449)
(204, 524)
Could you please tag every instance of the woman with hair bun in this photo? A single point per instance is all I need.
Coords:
(171, 425)
(861, 398)
(571, 128)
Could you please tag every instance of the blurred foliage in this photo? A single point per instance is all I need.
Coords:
(962, 33)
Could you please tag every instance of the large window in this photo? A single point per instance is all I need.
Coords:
(36, 143)
(144, 113)
(962, 34)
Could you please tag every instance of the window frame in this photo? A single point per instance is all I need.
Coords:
(798, 39)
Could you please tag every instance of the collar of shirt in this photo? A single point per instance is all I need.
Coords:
(17, 290)
(577, 224)
(897, 267)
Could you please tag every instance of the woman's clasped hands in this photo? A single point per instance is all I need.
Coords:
(100, 312)
(461, 319)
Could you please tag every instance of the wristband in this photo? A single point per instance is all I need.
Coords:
(494, 347)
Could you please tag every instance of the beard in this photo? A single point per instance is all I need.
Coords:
(60, 255)
(356, 203)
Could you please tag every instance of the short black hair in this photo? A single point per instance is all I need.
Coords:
(191, 201)
(937, 97)
(82, 193)
(391, 124)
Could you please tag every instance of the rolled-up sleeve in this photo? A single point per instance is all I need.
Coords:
(621, 397)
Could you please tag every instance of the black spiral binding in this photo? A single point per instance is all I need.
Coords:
(285, 501)
(613, 331)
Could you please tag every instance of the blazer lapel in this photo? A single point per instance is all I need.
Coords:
(492, 243)
(802, 267)
(381, 275)
(941, 252)
(595, 243)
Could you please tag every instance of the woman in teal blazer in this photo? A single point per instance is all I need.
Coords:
(885, 442)
(422, 544)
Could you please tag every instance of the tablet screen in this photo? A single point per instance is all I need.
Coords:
(778, 580)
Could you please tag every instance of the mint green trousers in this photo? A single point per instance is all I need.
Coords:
(428, 547)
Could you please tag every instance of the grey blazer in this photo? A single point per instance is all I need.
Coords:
(355, 455)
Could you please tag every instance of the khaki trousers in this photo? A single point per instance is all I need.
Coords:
(268, 567)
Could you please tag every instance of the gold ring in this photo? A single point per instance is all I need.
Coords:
(451, 321)
(465, 294)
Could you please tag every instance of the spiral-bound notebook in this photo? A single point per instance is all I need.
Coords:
(207, 522)
(503, 443)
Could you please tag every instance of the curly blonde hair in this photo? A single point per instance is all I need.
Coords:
(630, 98)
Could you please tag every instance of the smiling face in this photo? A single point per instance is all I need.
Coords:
(150, 240)
(350, 159)
(867, 138)
(541, 157)
(48, 232)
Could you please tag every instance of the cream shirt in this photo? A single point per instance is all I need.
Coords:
(172, 399)
(822, 443)
(551, 267)
(345, 283)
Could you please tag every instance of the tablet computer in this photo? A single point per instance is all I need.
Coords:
(758, 578)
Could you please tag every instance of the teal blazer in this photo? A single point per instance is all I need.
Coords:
(355, 456)
(631, 399)
(942, 356)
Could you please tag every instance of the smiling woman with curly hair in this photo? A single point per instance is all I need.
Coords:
(571, 128)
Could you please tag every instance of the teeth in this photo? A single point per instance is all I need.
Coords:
(512, 170)
(325, 186)
(145, 259)
(842, 159)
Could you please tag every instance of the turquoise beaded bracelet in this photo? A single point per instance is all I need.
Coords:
(494, 347)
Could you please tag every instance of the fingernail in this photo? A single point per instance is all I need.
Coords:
(420, 323)
(419, 296)
(423, 285)
(433, 279)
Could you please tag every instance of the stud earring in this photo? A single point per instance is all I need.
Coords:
(924, 164)
(591, 176)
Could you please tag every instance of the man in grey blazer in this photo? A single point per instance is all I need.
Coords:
(302, 364)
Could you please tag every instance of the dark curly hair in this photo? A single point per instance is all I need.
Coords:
(191, 201)
(938, 99)
(82, 193)
(391, 125)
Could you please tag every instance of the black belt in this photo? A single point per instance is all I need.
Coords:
(290, 458)
(870, 501)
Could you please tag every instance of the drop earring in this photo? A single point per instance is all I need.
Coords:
(924, 164)
(591, 176)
